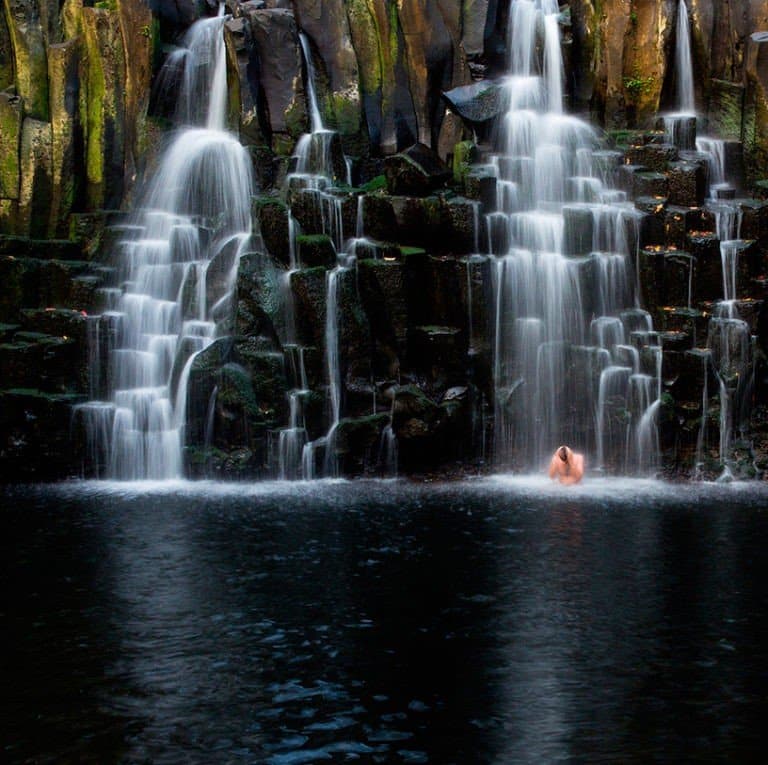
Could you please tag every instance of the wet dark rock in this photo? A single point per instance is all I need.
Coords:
(275, 38)
(315, 250)
(649, 184)
(655, 156)
(437, 351)
(464, 221)
(416, 171)
(371, 249)
(480, 184)
(259, 301)
(308, 286)
(708, 282)
(754, 221)
(379, 217)
(420, 221)
(271, 219)
(653, 225)
(34, 283)
(382, 293)
(579, 226)
(679, 221)
(35, 435)
(51, 363)
(687, 183)
(357, 443)
(665, 275)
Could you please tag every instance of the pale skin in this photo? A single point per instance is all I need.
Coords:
(566, 466)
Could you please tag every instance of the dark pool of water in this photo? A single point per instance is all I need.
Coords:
(497, 621)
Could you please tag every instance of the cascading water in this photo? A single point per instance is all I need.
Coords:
(680, 126)
(317, 169)
(175, 268)
(566, 322)
(684, 63)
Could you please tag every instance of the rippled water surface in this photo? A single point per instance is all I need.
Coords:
(495, 621)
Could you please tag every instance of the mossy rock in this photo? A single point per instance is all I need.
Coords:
(315, 251)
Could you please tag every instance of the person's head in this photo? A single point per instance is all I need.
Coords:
(563, 453)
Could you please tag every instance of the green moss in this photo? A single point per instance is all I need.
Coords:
(367, 44)
(296, 120)
(10, 130)
(283, 144)
(637, 85)
(375, 184)
(464, 154)
(343, 113)
(407, 251)
(260, 202)
(313, 240)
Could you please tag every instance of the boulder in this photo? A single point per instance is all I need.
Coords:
(479, 102)
(417, 171)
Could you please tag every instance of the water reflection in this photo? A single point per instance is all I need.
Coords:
(496, 621)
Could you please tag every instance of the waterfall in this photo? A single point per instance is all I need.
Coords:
(176, 268)
(315, 174)
(683, 63)
(316, 121)
(565, 323)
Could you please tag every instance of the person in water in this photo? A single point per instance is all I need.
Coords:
(566, 466)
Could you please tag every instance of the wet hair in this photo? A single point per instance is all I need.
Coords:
(562, 452)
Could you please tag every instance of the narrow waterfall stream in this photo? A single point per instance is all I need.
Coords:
(566, 319)
(174, 274)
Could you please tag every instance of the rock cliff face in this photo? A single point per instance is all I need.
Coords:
(82, 116)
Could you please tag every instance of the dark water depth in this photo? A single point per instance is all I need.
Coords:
(497, 621)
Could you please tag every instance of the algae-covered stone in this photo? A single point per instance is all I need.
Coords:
(10, 143)
(102, 110)
(315, 250)
(6, 54)
(29, 52)
(374, 37)
(63, 62)
(464, 156)
(36, 178)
